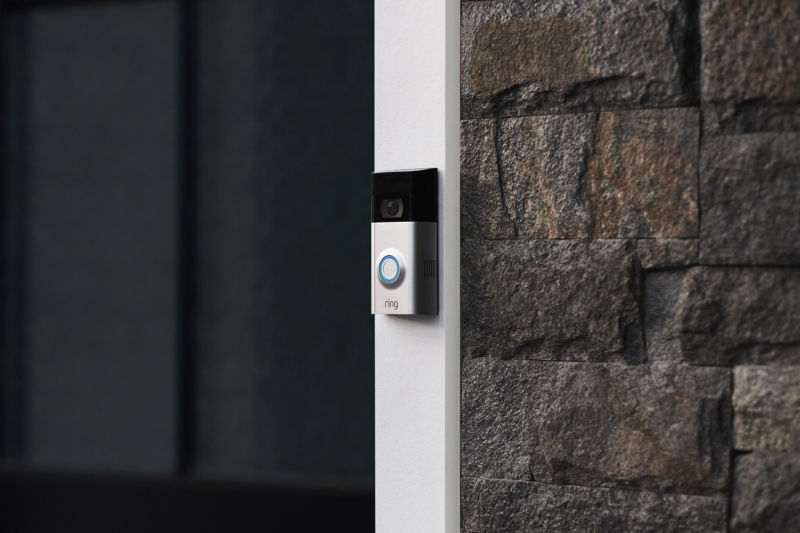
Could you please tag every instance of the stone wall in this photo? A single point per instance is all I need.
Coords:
(630, 265)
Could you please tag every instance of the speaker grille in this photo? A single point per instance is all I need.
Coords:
(429, 268)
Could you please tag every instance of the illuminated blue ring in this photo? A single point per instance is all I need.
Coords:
(380, 269)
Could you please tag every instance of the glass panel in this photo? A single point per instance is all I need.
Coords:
(285, 335)
(92, 158)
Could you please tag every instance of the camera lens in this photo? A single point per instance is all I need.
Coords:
(392, 208)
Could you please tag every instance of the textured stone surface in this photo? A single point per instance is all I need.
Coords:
(766, 406)
(642, 176)
(667, 253)
(484, 213)
(612, 174)
(758, 116)
(766, 493)
(499, 506)
(750, 194)
(662, 335)
(649, 426)
(519, 57)
(655, 427)
(723, 315)
(553, 300)
(494, 419)
(624, 255)
(542, 162)
(751, 50)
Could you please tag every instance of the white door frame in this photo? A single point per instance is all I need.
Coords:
(417, 359)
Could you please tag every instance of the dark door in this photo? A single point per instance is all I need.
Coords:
(186, 338)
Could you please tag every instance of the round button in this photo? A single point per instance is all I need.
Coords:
(389, 269)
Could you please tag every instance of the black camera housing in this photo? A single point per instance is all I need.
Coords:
(415, 192)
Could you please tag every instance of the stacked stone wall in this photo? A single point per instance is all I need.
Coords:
(630, 265)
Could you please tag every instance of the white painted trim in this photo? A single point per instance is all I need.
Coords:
(417, 359)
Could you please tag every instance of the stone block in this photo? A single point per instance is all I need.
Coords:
(494, 419)
(484, 213)
(607, 175)
(751, 50)
(766, 493)
(750, 193)
(736, 118)
(539, 164)
(551, 300)
(522, 57)
(766, 406)
(641, 179)
(500, 506)
(723, 316)
(659, 427)
(667, 253)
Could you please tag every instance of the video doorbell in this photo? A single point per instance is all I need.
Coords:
(405, 263)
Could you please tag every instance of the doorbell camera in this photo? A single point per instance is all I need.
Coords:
(392, 208)
(405, 262)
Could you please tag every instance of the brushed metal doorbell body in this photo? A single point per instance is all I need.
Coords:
(405, 262)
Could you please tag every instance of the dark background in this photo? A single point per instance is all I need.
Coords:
(186, 339)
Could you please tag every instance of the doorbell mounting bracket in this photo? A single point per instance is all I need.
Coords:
(405, 262)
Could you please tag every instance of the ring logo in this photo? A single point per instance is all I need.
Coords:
(390, 304)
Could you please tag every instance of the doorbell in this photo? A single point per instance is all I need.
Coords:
(405, 262)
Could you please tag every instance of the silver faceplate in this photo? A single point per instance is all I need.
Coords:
(418, 291)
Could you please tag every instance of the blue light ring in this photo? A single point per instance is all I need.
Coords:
(380, 269)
